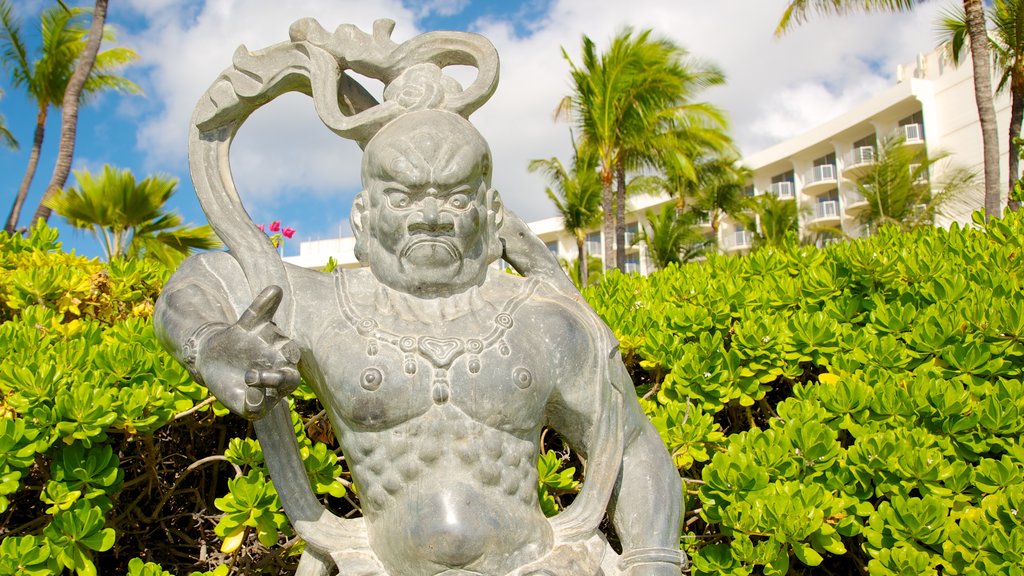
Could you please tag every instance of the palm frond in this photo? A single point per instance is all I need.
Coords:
(13, 52)
(128, 215)
(898, 189)
(798, 11)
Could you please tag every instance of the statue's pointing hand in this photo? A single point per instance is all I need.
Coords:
(250, 365)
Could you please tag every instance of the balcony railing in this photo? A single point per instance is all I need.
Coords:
(827, 209)
(739, 239)
(854, 199)
(781, 189)
(862, 155)
(821, 173)
(912, 133)
(917, 175)
(827, 240)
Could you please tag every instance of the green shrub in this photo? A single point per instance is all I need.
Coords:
(112, 461)
(856, 408)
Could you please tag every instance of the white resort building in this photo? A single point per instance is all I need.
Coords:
(931, 105)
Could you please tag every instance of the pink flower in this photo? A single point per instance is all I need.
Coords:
(288, 232)
(275, 226)
(260, 226)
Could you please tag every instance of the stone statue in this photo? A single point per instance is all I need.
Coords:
(437, 370)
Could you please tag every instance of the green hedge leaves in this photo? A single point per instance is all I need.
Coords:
(856, 409)
(858, 406)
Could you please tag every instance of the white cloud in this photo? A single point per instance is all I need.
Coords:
(440, 7)
(776, 87)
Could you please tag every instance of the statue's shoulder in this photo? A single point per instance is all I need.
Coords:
(300, 276)
(208, 263)
(550, 308)
(316, 289)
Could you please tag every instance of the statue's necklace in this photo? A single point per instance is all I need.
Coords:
(439, 352)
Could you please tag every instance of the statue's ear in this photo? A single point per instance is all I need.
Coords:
(357, 220)
(495, 208)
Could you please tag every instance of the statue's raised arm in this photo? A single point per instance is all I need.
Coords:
(437, 371)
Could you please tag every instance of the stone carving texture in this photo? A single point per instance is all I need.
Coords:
(438, 372)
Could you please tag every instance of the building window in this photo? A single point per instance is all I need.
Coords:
(632, 233)
(824, 169)
(912, 127)
(783, 185)
(593, 244)
(633, 262)
(826, 238)
(828, 204)
(864, 151)
(553, 247)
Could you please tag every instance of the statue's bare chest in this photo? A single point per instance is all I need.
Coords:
(382, 372)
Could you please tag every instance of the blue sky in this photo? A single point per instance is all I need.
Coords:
(288, 167)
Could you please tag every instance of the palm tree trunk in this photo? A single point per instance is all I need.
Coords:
(608, 218)
(975, 12)
(69, 116)
(581, 258)
(30, 170)
(620, 217)
(1016, 117)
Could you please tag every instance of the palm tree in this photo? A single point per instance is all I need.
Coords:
(46, 78)
(776, 221)
(717, 188)
(898, 190)
(671, 236)
(630, 103)
(6, 138)
(577, 195)
(796, 12)
(1007, 44)
(128, 217)
(572, 270)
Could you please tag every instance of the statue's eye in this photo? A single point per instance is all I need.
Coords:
(398, 199)
(459, 201)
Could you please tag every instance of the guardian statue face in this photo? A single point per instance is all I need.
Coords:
(427, 218)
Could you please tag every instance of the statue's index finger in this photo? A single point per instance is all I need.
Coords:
(262, 309)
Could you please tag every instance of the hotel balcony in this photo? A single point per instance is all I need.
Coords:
(737, 240)
(820, 178)
(782, 190)
(827, 210)
(859, 161)
(855, 201)
(913, 134)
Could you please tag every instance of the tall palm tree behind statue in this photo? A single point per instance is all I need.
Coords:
(796, 12)
(633, 104)
(1007, 44)
(45, 78)
(577, 195)
(128, 217)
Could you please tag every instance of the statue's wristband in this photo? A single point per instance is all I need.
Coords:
(631, 558)
(190, 350)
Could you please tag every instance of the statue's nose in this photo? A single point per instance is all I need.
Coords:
(429, 210)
